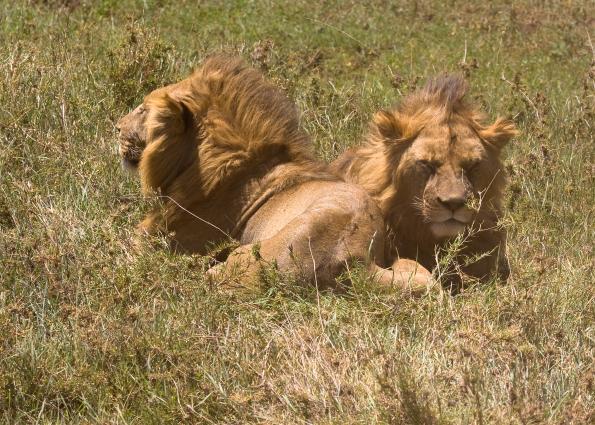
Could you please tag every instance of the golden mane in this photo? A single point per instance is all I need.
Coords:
(442, 99)
(396, 172)
(225, 118)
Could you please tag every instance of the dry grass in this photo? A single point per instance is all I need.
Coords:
(91, 333)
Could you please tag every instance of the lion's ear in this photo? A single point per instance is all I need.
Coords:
(169, 115)
(499, 133)
(170, 145)
(388, 125)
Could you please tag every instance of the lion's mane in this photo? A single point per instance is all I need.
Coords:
(240, 119)
(376, 164)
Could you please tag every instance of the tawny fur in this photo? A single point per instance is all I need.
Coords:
(437, 127)
(224, 150)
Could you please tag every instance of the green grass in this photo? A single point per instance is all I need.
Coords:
(92, 334)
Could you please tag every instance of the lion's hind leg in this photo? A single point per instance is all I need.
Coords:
(304, 248)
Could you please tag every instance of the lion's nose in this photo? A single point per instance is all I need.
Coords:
(452, 202)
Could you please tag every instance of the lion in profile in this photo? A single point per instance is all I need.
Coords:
(434, 168)
(224, 152)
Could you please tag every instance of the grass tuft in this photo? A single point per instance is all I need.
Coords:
(92, 332)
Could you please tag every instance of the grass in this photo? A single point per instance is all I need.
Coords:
(93, 334)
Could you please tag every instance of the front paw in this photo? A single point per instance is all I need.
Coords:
(419, 280)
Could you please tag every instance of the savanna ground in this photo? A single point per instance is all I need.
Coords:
(91, 333)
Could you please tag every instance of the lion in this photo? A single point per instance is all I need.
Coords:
(224, 152)
(434, 168)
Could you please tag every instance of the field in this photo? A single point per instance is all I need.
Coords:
(90, 333)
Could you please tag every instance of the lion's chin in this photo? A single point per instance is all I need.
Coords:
(130, 165)
(447, 229)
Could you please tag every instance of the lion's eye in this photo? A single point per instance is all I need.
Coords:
(429, 166)
(471, 166)
(141, 110)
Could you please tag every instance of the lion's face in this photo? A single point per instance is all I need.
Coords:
(447, 171)
(432, 162)
(132, 128)
(132, 136)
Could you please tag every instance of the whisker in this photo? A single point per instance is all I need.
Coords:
(424, 209)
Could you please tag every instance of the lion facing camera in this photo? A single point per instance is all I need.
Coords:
(434, 168)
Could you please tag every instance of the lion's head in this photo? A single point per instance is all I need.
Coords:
(133, 135)
(433, 164)
(221, 119)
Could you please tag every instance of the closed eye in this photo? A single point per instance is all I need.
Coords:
(471, 166)
(428, 165)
